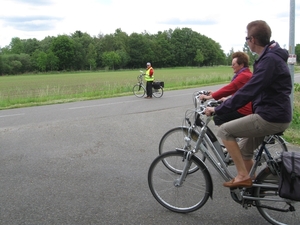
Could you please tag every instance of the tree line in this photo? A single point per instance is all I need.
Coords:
(79, 51)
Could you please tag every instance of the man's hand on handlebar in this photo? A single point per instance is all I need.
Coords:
(209, 111)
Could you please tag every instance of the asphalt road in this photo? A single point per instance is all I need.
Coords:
(87, 163)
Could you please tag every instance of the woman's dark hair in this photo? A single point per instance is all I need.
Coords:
(261, 31)
(242, 58)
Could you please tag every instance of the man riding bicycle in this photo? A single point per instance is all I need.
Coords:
(269, 91)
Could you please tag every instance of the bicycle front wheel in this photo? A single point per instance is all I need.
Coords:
(183, 198)
(273, 208)
(138, 90)
(157, 93)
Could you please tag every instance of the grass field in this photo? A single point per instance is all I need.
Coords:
(28, 90)
(32, 90)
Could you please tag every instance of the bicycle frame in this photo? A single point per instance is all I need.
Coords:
(140, 79)
(173, 173)
(218, 163)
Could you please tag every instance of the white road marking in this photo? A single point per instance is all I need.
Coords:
(21, 114)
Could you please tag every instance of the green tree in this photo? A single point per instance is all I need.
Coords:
(81, 48)
(138, 51)
(16, 46)
(91, 56)
(25, 61)
(63, 48)
(163, 49)
(5, 50)
(121, 46)
(46, 43)
(1, 65)
(252, 56)
(110, 59)
(42, 61)
(297, 52)
(30, 45)
(108, 43)
(124, 58)
(229, 57)
(80, 51)
(199, 58)
(120, 40)
(15, 67)
(52, 61)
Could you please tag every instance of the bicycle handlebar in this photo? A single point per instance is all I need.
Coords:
(203, 92)
(211, 103)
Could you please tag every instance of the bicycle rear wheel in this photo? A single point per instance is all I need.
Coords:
(276, 145)
(184, 198)
(157, 93)
(278, 210)
(138, 90)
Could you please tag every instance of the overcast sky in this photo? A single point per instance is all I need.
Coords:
(224, 21)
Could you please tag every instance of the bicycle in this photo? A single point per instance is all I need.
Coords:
(139, 89)
(178, 189)
(175, 138)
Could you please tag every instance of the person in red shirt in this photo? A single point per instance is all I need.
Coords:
(242, 74)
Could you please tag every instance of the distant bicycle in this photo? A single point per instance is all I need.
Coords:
(139, 89)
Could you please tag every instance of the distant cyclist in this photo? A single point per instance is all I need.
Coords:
(149, 78)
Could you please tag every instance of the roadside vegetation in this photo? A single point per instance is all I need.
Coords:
(53, 88)
(292, 134)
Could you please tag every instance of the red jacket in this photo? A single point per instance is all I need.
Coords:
(237, 82)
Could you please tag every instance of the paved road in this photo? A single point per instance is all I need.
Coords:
(87, 163)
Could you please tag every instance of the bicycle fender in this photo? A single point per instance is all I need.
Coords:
(203, 167)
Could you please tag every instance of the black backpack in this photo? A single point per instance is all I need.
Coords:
(289, 184)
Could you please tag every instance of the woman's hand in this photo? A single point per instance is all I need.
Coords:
(209, 111)
(205, 97)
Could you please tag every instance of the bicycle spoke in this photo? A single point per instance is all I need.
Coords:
(187, 197)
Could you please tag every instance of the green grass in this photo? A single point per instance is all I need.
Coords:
(32, 90)
(28, 90)
(292, 134)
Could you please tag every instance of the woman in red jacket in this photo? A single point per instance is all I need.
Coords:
(242, 74)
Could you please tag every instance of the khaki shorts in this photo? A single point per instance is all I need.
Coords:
(252, 129)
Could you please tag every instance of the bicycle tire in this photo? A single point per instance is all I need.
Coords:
(270, 210)
(139, 90)
(175, 138)
(190, 196)
(157, 93)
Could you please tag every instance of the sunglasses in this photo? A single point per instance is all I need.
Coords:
(248, 38)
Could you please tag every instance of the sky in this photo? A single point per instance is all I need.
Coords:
(224, 21)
